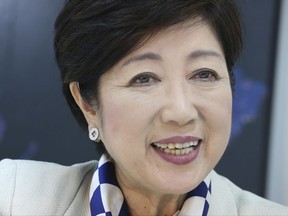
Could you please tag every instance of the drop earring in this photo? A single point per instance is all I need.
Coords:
(93, 134)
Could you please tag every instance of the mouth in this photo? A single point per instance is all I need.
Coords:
(177, 149)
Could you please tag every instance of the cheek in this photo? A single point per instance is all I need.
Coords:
(221, 118)
(218, 127)
(112, 116)
(217, 115)
(125, 118)
(112, 124)
(114, 121)
(224, 114)
(222, 104)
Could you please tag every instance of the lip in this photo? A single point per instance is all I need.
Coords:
(178, 139)
(179, 160)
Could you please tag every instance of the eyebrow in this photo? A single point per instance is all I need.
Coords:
(204, 53)
(155, 57)
(143, 57)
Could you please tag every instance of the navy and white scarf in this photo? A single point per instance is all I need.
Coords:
(106, 198)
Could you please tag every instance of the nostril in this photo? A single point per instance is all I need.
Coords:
(179, 115)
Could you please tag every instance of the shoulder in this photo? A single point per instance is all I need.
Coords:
(47, 187)
(237, 201)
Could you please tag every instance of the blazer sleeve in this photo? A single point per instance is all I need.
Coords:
(7, 185)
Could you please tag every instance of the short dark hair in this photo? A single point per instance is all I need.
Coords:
(91, 36)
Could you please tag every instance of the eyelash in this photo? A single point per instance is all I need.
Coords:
(142, 80)
(210, 75)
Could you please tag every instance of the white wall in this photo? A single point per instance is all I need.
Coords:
(277, 178)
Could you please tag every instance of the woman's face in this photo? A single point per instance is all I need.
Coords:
(165, 112)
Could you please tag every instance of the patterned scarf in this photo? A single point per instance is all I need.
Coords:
(106, 198)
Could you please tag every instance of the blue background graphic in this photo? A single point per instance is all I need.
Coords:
(248, 98)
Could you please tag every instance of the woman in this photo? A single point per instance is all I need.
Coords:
(152, 81)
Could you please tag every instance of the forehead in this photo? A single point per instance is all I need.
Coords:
(190, 39)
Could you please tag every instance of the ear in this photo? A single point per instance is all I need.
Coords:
(86, 109)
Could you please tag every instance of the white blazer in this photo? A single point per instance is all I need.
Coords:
(41, 188)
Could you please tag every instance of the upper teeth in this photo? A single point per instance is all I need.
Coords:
(176, 145)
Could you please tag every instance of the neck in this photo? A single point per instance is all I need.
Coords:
(144, 200)
(153, 205)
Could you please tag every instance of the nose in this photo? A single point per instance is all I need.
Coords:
(179, 107)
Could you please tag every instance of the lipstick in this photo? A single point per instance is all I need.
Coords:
(178, 149)
(178, 139)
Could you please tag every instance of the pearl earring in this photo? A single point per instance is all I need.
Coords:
(93, 134)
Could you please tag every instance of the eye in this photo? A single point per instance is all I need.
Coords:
(205, 75)
(144, 79)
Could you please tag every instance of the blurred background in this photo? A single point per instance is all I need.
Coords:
(35, 122)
